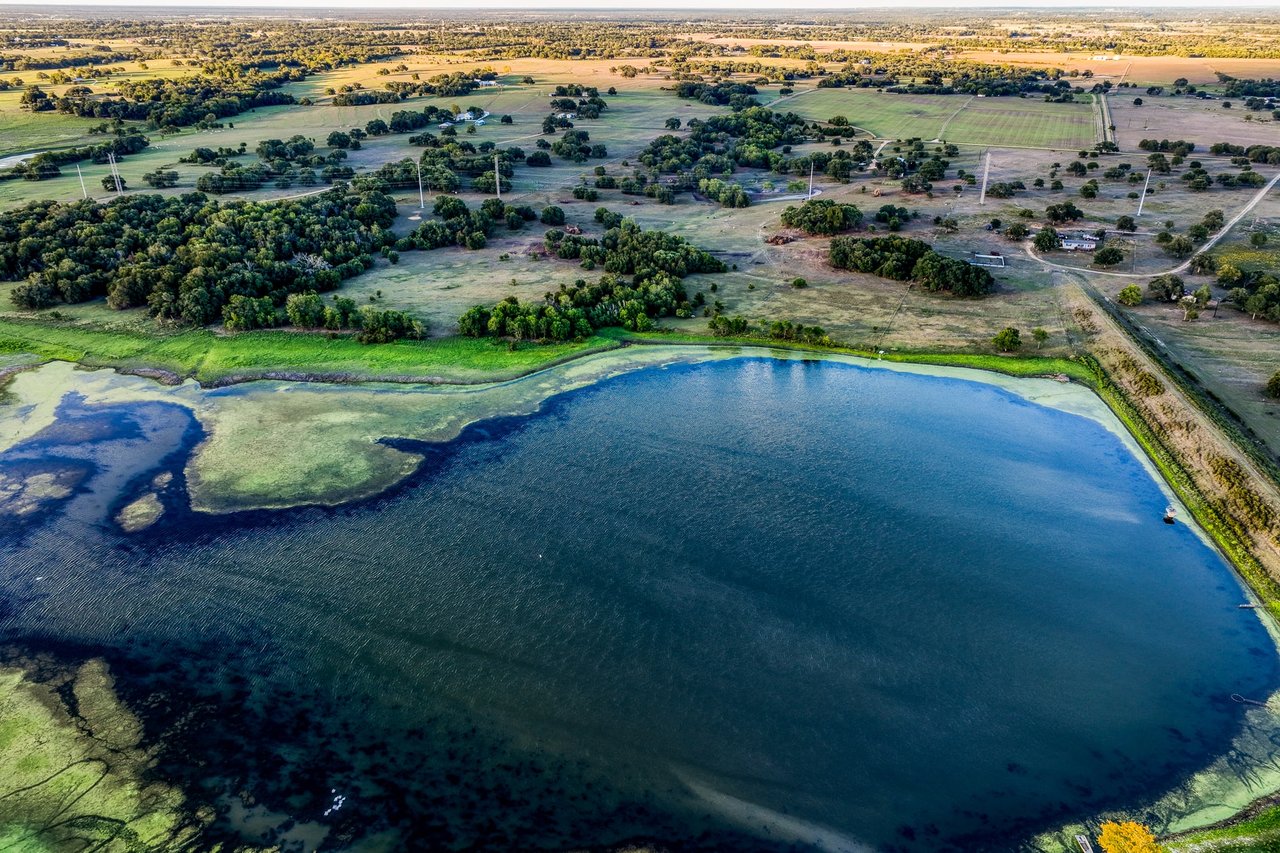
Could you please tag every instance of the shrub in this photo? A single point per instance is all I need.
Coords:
(1108, 256)
(1273, 385)
(1007, 339)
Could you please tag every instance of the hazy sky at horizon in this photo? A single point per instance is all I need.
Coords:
(632, 5)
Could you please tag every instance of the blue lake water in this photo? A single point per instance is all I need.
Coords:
(920, 613)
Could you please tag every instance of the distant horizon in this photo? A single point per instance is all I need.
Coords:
(719, 6)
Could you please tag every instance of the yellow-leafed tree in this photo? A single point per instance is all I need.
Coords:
(1127, 837)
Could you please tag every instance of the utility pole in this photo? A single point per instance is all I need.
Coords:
(1143, 197)
(80, 174)
(986, 173)
(497, 177)
(115, 173)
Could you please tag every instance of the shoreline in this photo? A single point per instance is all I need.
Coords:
(1091, 393)
(76, 348)
(274, 412)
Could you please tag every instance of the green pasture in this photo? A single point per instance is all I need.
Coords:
(209, 357)
(23, 132)
(636, 115)
(1013, 122)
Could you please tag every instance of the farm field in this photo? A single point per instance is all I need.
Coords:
(960, 119)
(1143, 70)
(1205, 122)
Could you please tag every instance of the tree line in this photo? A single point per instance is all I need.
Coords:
(171, 102)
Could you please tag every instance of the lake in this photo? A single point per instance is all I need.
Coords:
(750, 603)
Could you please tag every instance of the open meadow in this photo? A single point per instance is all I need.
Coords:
(1017, 141)
(960, 119)
(1206, 122)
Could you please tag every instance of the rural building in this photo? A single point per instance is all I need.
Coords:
(1079, 242)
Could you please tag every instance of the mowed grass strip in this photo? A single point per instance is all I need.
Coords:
(1024, 122)
(1013, 122)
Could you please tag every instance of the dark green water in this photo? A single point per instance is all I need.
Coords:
(921, 613)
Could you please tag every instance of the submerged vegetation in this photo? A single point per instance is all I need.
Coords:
(77, 770)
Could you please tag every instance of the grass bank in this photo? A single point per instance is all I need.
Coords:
(212, 358)
(1255, 830)
(1010, 365)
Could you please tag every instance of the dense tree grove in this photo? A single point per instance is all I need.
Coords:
(1265, 88)
(904, 259)
(457, 225)
(280, 163)
(822, 216)
(164, 102)
(756, 137)
(1165, 146)
(446, 162)
(778, 330)
(185, 257)
(655, 261)
(735, 95)
(452, 85)
(1256, 293)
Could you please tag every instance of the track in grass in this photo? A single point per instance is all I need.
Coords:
(1014, 122)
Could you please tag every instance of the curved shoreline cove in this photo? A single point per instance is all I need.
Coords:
(722, 600)
(327, 444)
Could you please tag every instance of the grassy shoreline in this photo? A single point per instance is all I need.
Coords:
(216, 359)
